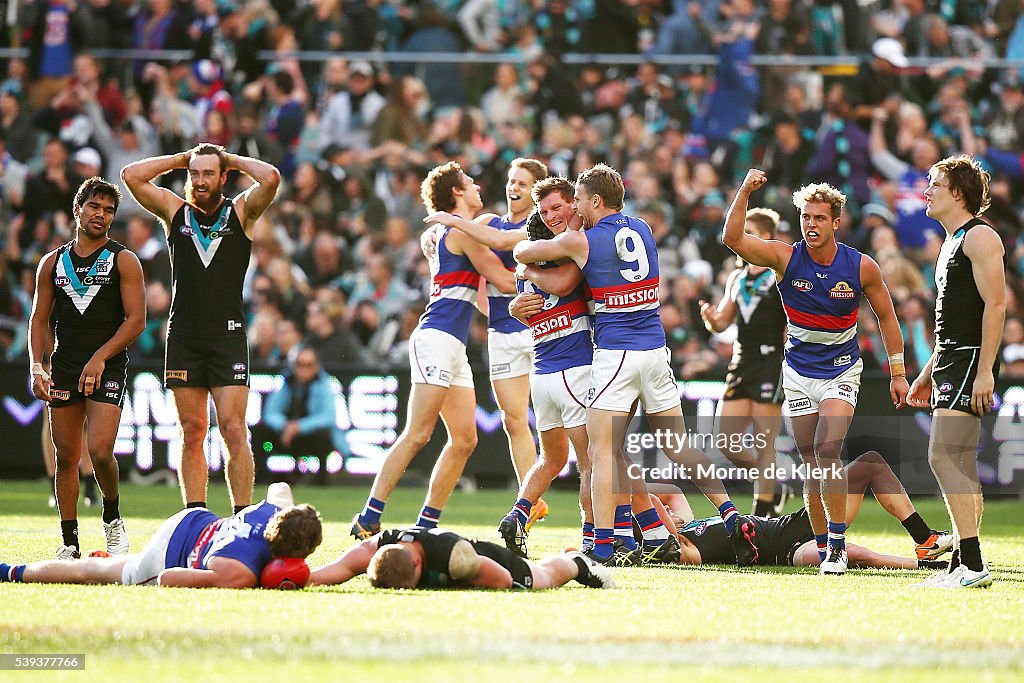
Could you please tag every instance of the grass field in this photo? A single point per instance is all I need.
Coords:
(718, 623)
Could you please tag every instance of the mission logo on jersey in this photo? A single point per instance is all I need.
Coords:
(842, 291)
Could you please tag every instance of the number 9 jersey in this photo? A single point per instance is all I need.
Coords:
(622, 271)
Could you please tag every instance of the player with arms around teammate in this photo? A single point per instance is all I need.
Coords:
(619, 260)
(416, 557)
(197, 549)
(509, 342)
(442, 382)
(209, 238)
(93, 289)
(821, 282)
(959, 379)
(753, 386)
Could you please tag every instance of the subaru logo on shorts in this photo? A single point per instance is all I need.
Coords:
(112, 385)
(946, 388)
(239, 367)
(802, 285)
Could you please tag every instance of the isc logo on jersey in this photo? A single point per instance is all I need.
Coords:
(561, 321)
(841, 291)
(802, 285)
(647, 295)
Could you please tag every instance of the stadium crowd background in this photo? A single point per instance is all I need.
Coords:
(336, 260)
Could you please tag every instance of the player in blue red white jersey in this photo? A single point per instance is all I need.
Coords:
(509, 343)
(197, 549)
(821, 282)
(441, 376)
(619, 259)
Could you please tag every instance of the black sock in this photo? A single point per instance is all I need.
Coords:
(763, 508)
(110, 511)
(583, 574)
(195, 504)
(970, 553)
(89, 486)
(917, 529)
(238, 508)
(954, 560)
(69, 530)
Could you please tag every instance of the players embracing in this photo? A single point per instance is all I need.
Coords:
(821, 282)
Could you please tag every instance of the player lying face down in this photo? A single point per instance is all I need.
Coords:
(416, 557)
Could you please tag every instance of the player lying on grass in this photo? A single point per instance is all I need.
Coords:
(197, 549)
(416, 557)
(789, 541)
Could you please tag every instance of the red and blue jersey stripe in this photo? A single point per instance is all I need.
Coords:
(623, 275)
(561, 331)
(453, 287)
(821, 304)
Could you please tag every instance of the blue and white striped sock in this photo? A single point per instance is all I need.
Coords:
(837, 535)
(655, 533)
(522, 510)
(624, 526)
(429, 517)
(372, 511)
(729, 515)
(11, 573)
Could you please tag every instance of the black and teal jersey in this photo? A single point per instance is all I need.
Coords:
(87, 306)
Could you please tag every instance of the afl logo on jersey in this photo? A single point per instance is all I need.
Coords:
(187, 231)
(61, 281)
(802, 285)
(842, 291)
(946, 387)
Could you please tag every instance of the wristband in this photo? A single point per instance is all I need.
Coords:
(37, 369)
(897, 368)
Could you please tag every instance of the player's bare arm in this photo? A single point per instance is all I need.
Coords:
(878, 298)
(561, 280)
(490, 574)
(253, 202)
(39, 327)
(983, 246)
(525, 305)
(484, 260)
(477, 229)
(223, 573)
(352, 563)
(717, 318)
(133, 300)
(921, 390)
(138, 178)
(752, 249)
(571, 244)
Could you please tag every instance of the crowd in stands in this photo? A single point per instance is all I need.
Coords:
(336, 262)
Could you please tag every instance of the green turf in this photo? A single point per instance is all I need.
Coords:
(718, 623)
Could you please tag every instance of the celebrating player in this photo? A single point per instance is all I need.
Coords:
(619, 259)
(197, 549)
(416, 557)
(789, 540)
(209, 238)
(94, 289)
(959, 379)
(753, 386)
(509, 343)
(442, 380)
(821, 282)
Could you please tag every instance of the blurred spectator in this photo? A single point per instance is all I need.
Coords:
(785, 29)
(88, 72)
(150, 343)
(319, 26)
(503, 103)
(323, 264)
(350, 115)
(378, 285)
(877, 78)
(559, 24)
(13, 175)
(50, 191)
(285, 119)
(488, 23)
(292, 293)
(842, 158)
(52, 47)
(16, 123)
(251, 140)
(444, 80)
(300, 418)
(142, 239)
(159, 26)
(786, 157)
(613, 28)
(328, 334)
(1004, 122)
(402, 118)
(551, 90)
(134, 141)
